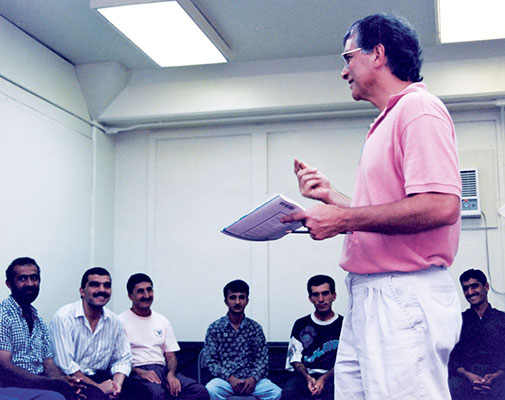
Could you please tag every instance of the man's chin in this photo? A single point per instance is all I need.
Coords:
(100, 302)
(28, 299)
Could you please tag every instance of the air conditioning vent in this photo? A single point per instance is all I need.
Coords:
(470, 201)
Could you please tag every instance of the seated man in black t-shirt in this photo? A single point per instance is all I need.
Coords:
(313, 345)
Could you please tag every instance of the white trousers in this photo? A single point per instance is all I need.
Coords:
(396, 339)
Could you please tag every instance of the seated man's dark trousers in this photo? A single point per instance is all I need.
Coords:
(129, 391)
(296, 389)
(190, 389)
(462, 389)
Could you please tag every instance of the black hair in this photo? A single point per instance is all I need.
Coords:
(475, 274)
(93, 271)
(236, 286)
(318, 280)
(136, 278)
(21, 261)
(399, 39)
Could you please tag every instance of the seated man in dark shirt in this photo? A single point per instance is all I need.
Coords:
(236, 351)
(313, 345)
(477, 362)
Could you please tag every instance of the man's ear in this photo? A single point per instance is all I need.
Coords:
(379, 53)
(8, 284)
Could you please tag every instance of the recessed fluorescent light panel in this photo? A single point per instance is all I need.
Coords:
(471, 20)
(165, 33)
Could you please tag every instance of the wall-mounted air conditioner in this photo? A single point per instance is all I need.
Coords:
(470, 200)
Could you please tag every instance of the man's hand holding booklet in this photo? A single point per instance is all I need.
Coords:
(263, 223)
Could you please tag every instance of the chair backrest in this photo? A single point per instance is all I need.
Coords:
(203, 376)
(201, 369)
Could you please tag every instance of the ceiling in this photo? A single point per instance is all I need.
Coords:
(253, 29)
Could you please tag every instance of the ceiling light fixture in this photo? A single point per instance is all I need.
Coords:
(164, 31)
(470, 20)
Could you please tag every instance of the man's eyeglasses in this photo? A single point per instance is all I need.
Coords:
(346, 55)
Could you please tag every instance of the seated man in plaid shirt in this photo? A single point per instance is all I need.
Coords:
(27, 370)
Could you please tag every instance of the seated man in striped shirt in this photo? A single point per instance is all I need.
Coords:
(89, 340)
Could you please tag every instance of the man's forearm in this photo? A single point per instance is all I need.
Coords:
(83, 378)
(413, 214)
(300, 368)
(338, 199)
(119, 378)
(51, 369)
(171, 361)
(328, 375)
(19, 377)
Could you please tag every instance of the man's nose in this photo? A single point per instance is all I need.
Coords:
(30, 282)
(344, 73)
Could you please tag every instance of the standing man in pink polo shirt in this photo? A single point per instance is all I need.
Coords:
(403, 221)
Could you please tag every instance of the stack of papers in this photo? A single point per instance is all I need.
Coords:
(263, 223)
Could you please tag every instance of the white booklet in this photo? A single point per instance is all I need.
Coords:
(263, 223)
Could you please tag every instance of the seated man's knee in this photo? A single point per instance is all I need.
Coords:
(145, 390)
(266, 389)
(217, 386)
(200, 393)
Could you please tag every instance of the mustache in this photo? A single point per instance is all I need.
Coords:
(146, 299)
(101, 294)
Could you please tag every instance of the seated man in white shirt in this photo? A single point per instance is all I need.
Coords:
(153, 347)
(89, 339)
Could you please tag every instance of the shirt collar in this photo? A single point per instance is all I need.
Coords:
(393, 99)
(14, 304)
(228, 322)
(319, 322)
(79, 311)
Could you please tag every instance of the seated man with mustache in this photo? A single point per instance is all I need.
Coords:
(477, 362)
(89, 339)
(153, 346)
(27, 369)
(236, 351)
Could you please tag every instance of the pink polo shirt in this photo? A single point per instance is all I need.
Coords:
(410, 148)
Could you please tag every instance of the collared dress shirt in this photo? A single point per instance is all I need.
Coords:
(242, 353)
(28, 350)
(78, 348)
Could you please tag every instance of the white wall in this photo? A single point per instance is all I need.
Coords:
(195, 181)
(56, 171)
(155, 200)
